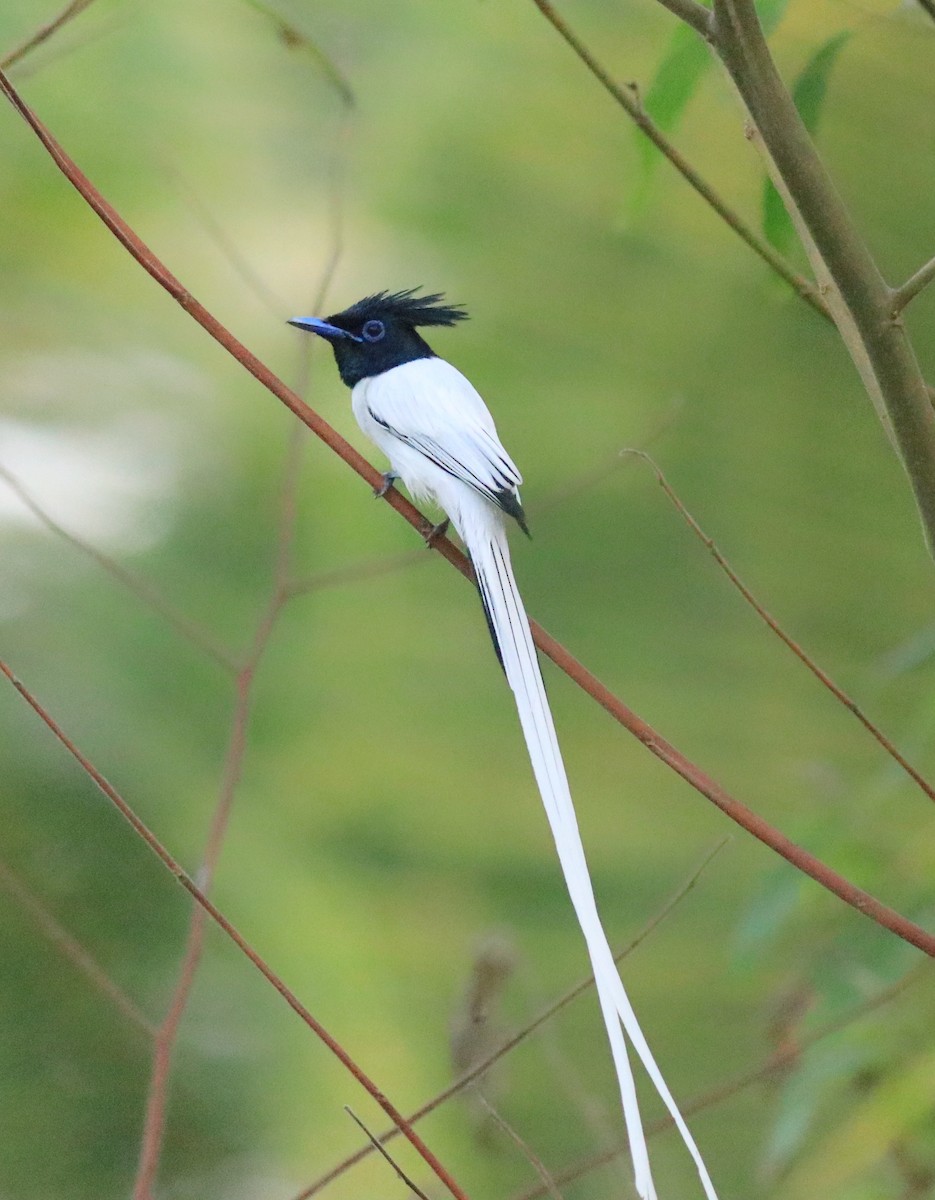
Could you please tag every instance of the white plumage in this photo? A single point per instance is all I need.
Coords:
(441, 440)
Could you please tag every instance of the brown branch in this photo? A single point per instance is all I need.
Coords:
(480, 1068)
(371, 568)
(629, 102)
(384, 1153)
(778, 1061)
(144, 591)
(822, 676)
(185, 880)
(761, 829)
(44, 32)
(908, 291)
(72, 949)
(548, 1184)
(291, 37)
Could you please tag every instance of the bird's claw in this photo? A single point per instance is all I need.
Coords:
(434, 532)
(389, 478)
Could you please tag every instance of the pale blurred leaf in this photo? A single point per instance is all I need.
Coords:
(860, 1142)
(821, 1071)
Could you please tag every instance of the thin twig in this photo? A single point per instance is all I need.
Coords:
(778, 1061)
(631, 105)
(72, 949)
(291, 36)
(479, 1068)
(185, 880)
(44, 32)
(913, 285)
(738, 812)
(370, 568)
(413, 1187)
(144, 591)
(548, 1183)
(691, 13)
(822, 676)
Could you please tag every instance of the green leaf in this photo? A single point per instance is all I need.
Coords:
(684, 64)
(861, 1142)
(809, 94)
(820, 1073)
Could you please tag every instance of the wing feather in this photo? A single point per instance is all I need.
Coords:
(430, 406)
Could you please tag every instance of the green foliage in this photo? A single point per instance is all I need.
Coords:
(675, 82)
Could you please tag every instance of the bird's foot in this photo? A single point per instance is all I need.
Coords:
(434, 532)
(389, 478)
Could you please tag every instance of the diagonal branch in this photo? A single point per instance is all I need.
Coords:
(913, 285)
(761, 829)
(770, 621)
(44, 32)
(692, 13)
(72, 949)
(630, 103)
(185, 880)
(140, 588)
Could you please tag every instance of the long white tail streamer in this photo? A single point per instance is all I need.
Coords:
(481, 528)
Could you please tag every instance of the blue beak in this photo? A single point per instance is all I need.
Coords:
(315, 325)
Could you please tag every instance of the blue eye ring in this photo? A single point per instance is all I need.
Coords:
(373, 331)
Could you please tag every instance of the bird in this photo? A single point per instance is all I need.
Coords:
(442, 443)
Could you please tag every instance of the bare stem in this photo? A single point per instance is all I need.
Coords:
(548, 1183)
(913, 285)
(44, 32)
(385, 1154)
(691, 13)
(140, 588)
(69, 947)
(821, 675)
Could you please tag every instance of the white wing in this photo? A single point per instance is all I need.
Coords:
(429, 406)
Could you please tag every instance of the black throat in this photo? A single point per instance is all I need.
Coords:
(362, 360)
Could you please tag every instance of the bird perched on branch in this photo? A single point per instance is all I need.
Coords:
(441, 442)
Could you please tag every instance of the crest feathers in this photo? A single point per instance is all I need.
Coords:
(405, 307)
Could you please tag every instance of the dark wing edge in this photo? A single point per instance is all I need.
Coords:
(504, 496)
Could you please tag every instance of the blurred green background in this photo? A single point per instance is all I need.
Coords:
(386, 821)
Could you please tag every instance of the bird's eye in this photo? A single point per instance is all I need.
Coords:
(373, 331)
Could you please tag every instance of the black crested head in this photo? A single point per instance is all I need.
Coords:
(380, 332)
